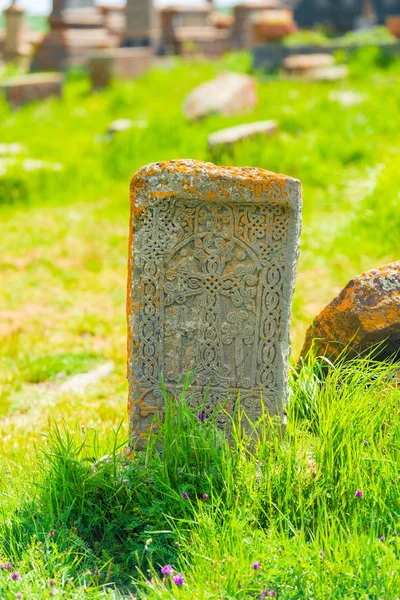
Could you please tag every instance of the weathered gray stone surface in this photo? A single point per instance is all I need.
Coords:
(212, 262)
(228, 94)
(232, 135)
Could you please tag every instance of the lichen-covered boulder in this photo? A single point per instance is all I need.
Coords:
(228, 94)
(366, 313)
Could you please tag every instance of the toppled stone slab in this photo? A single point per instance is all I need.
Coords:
(227, 137)
(120, 125)
(32, 87)
(347, 98)
(303, 64)
(212, 263)
(228, 94)
(335, 73)
(366, 313)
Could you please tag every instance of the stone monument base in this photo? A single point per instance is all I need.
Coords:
(119, 63)
(30, 88)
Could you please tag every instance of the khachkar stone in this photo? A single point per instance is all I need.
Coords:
(139, 23)
(213, 253)
(76, 31)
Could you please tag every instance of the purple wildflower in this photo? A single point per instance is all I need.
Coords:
(9, 566)
(52, 593)
(167, 570)
(272, 593)
(256, 565)
(359, 494)
(19, 595)
(185, 496)
(382, 538)
(15, 576)
(96, 572)
(263, 593)
(205, 496)
(52, 582)
(52, 533)
(240, 585)
(178, 579)
(366, 443)
(202, 416)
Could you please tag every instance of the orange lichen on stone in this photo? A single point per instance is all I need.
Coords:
(365, 314)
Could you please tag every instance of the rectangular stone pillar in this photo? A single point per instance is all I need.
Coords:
(15, 32)
(139, 23)
(212, 263)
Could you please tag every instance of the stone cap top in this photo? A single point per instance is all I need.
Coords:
(14, 8)
(191, 178)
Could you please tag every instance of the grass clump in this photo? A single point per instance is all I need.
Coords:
(309, 511)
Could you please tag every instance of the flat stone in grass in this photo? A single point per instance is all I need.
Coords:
(212, 263)
(347, 98)
(366, 313)
(228, 137)
(335, 73)
(28, 88)
(303, 64)
(228, 94)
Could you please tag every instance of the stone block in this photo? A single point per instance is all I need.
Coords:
(335, 73)
(228, 94)
(303, 64)
(212, 263)
(119, 63)
(223, 139)
(29, 88)
(366, 313)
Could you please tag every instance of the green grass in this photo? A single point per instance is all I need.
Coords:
(286, 500)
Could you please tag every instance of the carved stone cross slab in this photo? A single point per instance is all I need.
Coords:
(212, 264)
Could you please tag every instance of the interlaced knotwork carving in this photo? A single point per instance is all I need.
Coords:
(211, 281)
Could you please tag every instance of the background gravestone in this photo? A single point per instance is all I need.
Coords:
(76, 30)
(139, 23)
(339, 14)
(386, 8)
(213, 255)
